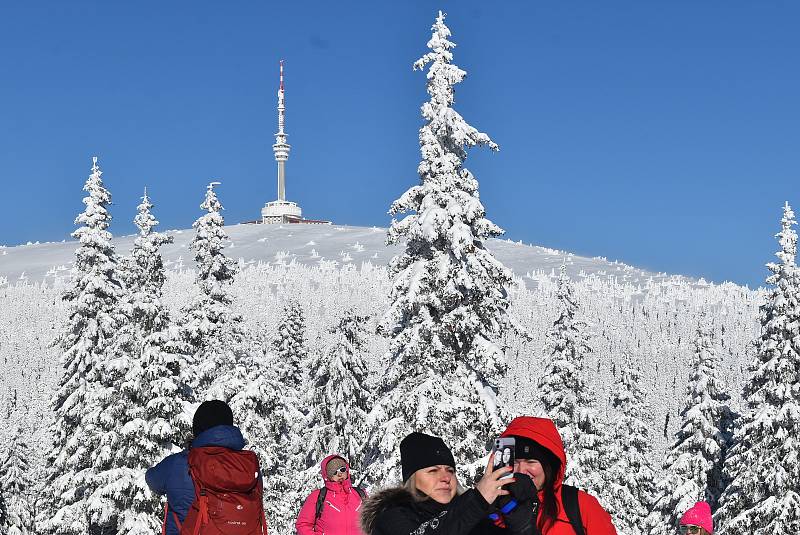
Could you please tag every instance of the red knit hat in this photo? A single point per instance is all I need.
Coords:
(699, 515)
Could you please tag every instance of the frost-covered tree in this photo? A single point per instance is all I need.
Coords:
(144, 273)
(630, 479)
(3, 510)
(209, 325)
(142, 412)
(691, 471)
(290, 345)
(269, 415)
(567, 399)
(94, 319)
(763, 466)
(15, 485)
(339, 396)
(449, 296)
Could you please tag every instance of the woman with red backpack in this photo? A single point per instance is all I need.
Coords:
(563, 510)
(213, 485)
(333, 509)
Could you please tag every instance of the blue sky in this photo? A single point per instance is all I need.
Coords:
(666, 135)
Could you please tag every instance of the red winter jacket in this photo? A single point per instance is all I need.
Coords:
(596, 521)
(340, 512)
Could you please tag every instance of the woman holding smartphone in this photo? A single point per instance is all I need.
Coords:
(540, 455)
(431, 501)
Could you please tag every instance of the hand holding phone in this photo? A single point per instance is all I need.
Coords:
(504, 454)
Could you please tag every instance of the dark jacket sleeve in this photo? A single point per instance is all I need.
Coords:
(156, 477)
(460, 518)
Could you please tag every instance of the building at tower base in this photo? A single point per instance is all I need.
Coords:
(281, 212)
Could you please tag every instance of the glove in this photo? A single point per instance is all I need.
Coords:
(521, 490)
(521, 520)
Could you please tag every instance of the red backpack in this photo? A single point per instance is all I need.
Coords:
(228, 494)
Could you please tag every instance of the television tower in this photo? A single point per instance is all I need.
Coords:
(281, 210)
(281, 148)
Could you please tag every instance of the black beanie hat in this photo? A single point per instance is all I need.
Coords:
(530, 449)
(419, 450)
(210, 414)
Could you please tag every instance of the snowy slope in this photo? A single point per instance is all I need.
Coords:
(328, 269)
(311, 245)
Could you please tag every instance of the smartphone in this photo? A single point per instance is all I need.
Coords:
(504, 450)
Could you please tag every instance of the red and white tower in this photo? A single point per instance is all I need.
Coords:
(281, 148)
(281, 210)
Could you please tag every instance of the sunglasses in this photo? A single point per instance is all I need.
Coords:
(693, 530)
(342, 470)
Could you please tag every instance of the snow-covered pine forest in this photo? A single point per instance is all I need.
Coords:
(666, 389)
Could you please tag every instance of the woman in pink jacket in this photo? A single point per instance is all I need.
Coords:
(340, 506)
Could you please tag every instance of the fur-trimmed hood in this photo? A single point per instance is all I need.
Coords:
(380, 502)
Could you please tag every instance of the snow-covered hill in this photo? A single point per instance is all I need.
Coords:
(329, 269)
(314, 245)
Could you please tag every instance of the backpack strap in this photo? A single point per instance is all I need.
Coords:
(202, 503)
(362, 494)
(261, 501)
(320, 504)
(164, 523)
(569, 497)
(174, 517)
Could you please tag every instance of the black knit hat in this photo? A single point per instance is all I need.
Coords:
(210, 414)
(530, 449)
(419, 450)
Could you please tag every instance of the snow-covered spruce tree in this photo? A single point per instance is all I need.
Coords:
(763, 465)
(318, 427)
(3, 510)
(290, 346)
(449, 296)
(340, 399)
(566, 397)
(208, 325)
(15, 485)
(142, 414)
(268, 411)
(94, 319)
(144, 273)
(691, 471)
(630, 479)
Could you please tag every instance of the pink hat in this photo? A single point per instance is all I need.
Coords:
(699, 515)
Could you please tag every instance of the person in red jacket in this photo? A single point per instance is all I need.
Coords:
(340, 509)
(540, 455)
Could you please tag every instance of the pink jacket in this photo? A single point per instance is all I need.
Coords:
(340, 512)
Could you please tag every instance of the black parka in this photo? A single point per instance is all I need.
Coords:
(396, 512)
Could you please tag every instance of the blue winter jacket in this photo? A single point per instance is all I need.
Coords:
(171, 476)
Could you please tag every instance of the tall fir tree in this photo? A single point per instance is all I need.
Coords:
(763, 466)
(630, 479)
(268, 411)
(144, 273)
(209, 325)
(692, 469)
(339, 398)
(4, 520)
(142, 414)
(290, 346)
(449, 297)
(15, 484)
(566, 397)
(93, 322)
